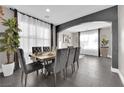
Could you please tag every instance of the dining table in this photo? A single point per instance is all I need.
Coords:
(44, 57)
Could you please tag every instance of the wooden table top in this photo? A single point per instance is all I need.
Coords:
(47, 55)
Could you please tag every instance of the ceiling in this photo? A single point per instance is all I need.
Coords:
(59, 13)
(89, 26)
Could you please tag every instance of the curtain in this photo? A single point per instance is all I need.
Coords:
(89, 42)
(34, 33)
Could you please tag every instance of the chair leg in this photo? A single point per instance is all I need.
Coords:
(78, 64)
(72, 68)
(42, 71)
(22, 78)
(54, 79)
(37, 72)
(26, 79)
(47, 62)
(64, 74)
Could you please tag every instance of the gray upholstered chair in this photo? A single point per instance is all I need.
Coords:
(71, 57)
(59, 64)
(27, 68)
(76, 59)
(36, 50)
(46, 49)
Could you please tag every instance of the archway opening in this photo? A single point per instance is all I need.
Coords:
(89, 36)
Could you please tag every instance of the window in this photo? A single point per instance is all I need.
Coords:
(89, 42)
(34, 33)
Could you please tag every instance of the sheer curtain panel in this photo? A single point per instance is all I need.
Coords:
(89, 42)
(34, 33)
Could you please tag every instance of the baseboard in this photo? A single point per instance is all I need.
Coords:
(121, 77)
(114, 70)
(109, 56)
(119, 73)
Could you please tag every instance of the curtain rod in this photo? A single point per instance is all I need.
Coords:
(30, 16)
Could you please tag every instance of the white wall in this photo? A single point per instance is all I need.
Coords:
(121, 38)
(73, 42)
(75, 39)
(107, 33)
(8, 14)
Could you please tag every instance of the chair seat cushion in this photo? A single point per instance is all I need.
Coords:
(49, 67)
(33, 67)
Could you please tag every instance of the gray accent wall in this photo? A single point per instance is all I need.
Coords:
(121, 38)
(54, 36)
(109, 15)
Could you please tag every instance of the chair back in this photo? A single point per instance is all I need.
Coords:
(71, 56)
(70, 46)
(22, 61)
(77, 54)
(60, 60)
(46, 49)
(35, 50)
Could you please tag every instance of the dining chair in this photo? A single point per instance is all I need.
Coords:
(46, 49)
(70, 46)
(71, 56)
(36, 50)
(59, 64)
(27, 68)
(76, 59)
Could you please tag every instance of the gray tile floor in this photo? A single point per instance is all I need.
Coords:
(93, 72)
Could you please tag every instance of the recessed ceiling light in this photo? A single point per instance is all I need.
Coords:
(47, 10)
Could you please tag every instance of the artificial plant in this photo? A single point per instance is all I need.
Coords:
(9, 42)
(104, 42)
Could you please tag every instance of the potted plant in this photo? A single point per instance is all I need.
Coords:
(9, 43)
(104, 42)
(104, 47)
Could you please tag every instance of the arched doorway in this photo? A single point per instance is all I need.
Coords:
(111, 15)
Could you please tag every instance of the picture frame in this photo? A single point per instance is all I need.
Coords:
(66, 38)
